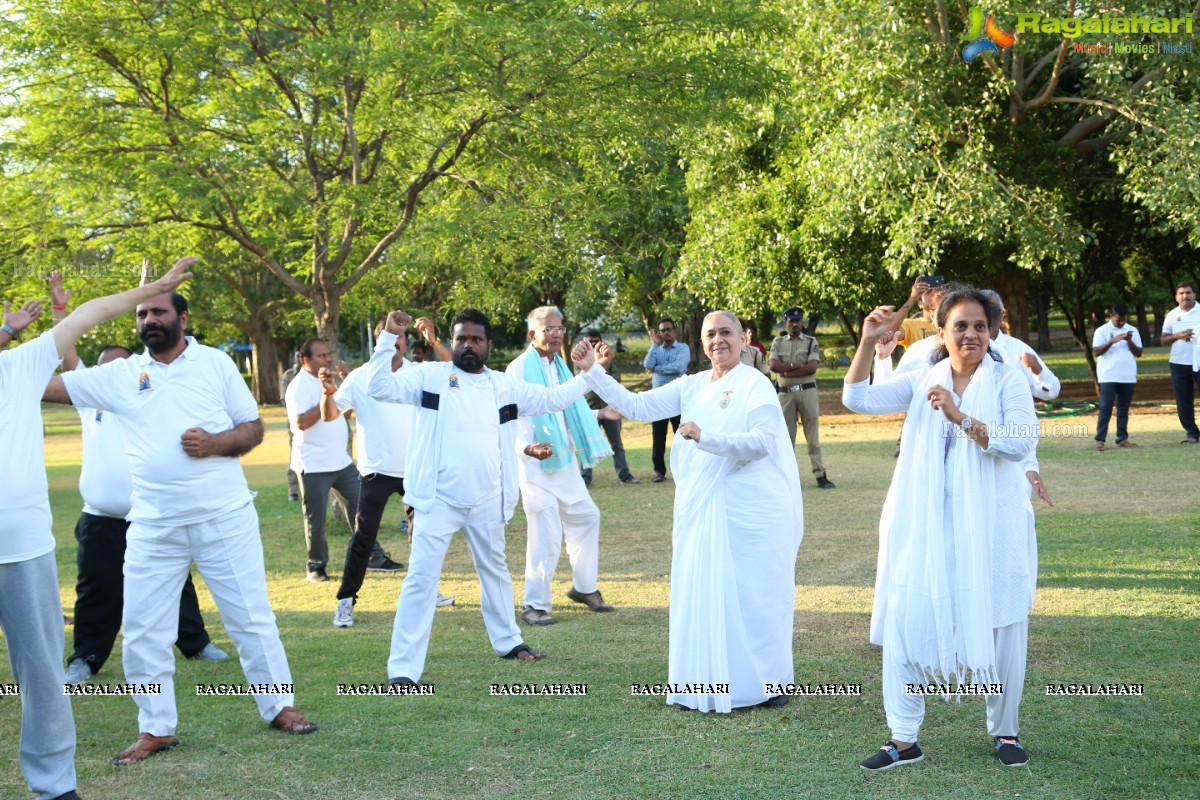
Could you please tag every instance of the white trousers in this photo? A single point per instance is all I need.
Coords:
(228, 552)
(906, 712)
(551, 519)
(483, 526)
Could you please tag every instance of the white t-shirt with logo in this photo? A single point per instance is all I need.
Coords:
(155, 403)
(381, 435)
(1177, 321)
(321, 447)
(471, 431)
(25, 523)
(1117, 364)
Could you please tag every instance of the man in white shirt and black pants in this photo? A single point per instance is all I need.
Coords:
(1117, 346)
(1179, 331)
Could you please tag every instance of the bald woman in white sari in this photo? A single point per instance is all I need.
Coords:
(733, 564)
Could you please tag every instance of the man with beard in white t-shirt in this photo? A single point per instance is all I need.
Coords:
(187, 416)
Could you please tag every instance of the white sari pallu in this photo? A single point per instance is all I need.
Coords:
(738, 523)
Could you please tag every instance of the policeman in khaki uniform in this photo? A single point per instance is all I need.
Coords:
(794, 360)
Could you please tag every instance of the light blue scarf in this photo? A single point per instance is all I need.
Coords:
(590, 441)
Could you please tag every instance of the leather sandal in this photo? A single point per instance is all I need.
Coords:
(289, 720)
(524, 652)
(147, 744)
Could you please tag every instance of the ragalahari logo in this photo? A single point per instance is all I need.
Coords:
(983, 38)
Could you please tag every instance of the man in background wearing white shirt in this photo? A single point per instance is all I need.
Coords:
(1117, 346)
(319, 457)
(1179, 331)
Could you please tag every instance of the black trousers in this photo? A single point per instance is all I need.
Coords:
(372, 499)
(1184, 380)
(658, 442)
(100, 594)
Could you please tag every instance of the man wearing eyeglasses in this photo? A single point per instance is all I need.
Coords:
(557, 503)
(668, 360)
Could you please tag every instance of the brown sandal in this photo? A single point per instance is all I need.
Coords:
(147, 744)
(289, 720)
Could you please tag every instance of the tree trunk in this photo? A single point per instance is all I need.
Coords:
(1044, 344)
(327, 313)
(1014, 291)
(1139, 313)
(264, 361)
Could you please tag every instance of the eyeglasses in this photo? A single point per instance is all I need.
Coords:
(553, 329)
(665, 330)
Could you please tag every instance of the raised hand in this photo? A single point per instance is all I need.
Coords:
(886, 344)
(20, 319)
(876, 323)
(605, 355)
(689, 431)
(342, 369)
(426, 328)
(583, 355)
(325, 376)
(58, 295)
(175, 276)
(398, 322)
(145, 272)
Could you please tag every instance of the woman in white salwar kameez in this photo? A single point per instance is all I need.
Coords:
(739, 519)
(957, 552)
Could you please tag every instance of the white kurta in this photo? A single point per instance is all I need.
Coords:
(733, 564)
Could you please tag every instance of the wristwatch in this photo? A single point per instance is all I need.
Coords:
(965, 424)
(10, 330)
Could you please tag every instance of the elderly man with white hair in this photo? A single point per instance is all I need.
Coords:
(557, 503)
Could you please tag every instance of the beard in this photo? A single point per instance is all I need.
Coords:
(159, 339)
(469, 360)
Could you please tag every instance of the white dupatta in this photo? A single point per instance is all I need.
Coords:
(940, 623)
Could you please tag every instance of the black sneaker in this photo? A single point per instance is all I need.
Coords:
(1011, 753)
(888, 757)
(317, 575)
(825, 483)
(630, 479)
(383, 563)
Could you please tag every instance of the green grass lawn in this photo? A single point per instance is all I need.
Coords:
(1117, 603)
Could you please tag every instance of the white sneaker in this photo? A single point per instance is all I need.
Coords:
(343, 617)
(212, 653)
(444, 601)
(78, 671)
